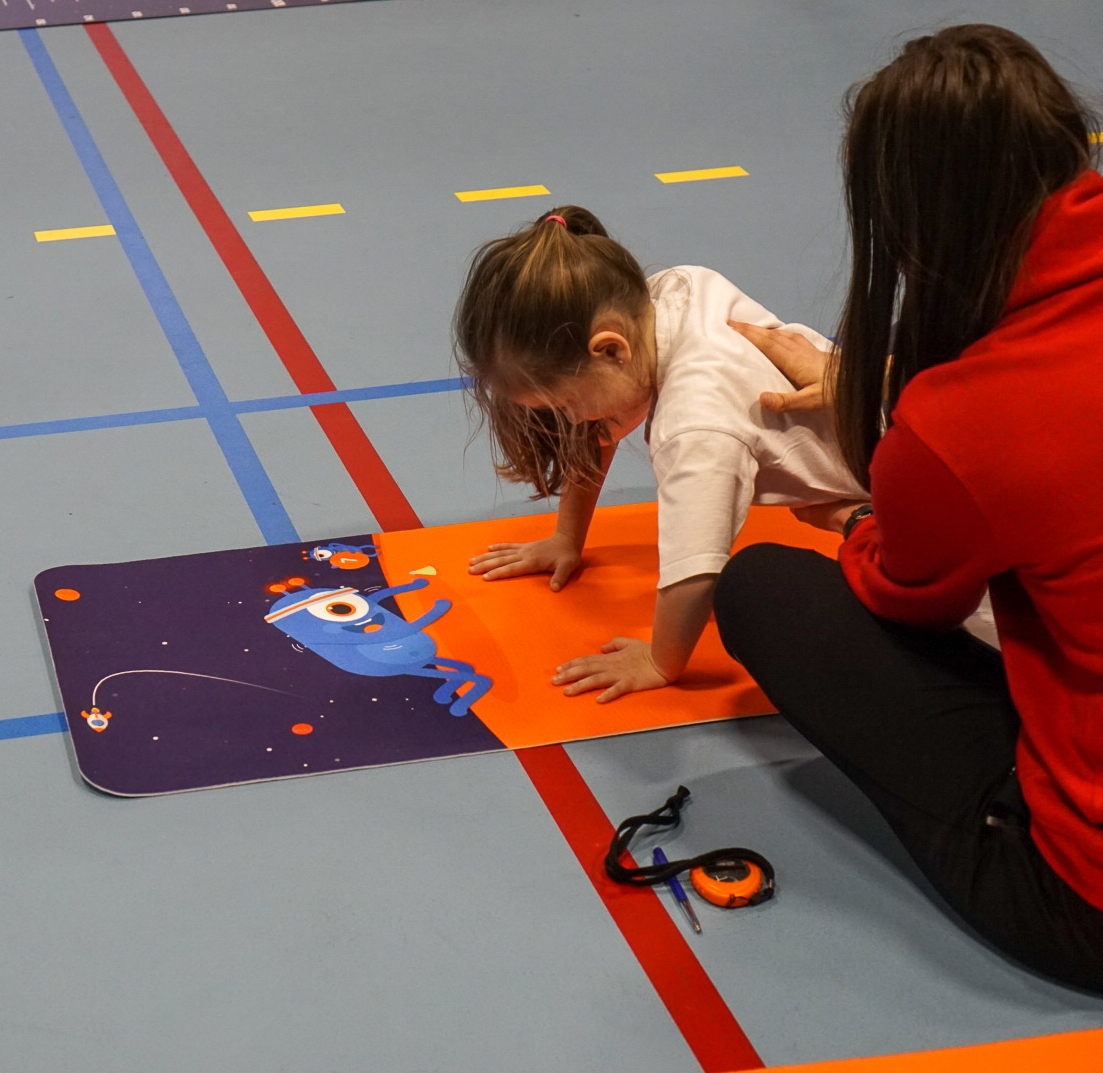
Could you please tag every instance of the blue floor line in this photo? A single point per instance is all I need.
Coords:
(356, 394)
(271, 517)
(28, 726)
(88, 424)
(245, 406)
(214, 405)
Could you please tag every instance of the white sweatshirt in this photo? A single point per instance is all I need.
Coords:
(714, 450)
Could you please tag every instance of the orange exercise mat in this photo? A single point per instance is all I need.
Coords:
(250, 664)
(1071, 1052)
(517, 630)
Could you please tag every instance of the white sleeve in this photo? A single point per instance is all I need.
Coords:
(706, 484)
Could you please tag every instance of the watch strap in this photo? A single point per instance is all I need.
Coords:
(856, 515)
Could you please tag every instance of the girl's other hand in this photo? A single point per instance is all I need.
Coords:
(625, 666)
(555, 555)
(800, 362)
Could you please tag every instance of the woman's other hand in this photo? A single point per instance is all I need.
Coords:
(829, 516)
(801, 362)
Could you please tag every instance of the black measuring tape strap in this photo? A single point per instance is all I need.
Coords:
(669, 815)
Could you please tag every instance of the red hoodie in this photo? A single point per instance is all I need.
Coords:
(992, 474)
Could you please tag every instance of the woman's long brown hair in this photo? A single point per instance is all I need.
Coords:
(949, 154)
(523, 324)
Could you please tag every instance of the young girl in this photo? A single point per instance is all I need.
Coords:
(569, 348)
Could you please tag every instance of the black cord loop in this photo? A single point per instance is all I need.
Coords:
(670, 815)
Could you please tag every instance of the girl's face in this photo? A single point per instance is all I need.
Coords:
(614, 385)
(602, 391)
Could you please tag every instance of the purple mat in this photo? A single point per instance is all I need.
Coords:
(191, 672)
(18, 14)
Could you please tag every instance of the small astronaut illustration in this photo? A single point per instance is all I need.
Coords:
(343, 556)
(352, 630)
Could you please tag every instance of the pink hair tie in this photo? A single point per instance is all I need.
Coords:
(557, 219)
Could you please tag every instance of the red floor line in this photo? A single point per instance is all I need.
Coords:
(710, 1029)
(381, 492)
(701, 1015)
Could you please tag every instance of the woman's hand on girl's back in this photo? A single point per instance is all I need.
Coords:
(555, 555)
(624, 666)
(800, 362)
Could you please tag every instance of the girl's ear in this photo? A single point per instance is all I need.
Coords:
(610, 347)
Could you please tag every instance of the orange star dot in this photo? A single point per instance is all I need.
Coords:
(302, 728)
(67, 594)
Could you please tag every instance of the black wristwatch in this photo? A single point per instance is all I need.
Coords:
(856, 515)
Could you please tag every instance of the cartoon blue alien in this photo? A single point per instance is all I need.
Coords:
(353, 631)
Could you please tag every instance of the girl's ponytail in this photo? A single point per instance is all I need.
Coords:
(577, 221)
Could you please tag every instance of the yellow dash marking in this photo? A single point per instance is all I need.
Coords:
(299, 210)
(701, 173)
(1096, 136)
(431, 570)
(502, 191)
(74, 232)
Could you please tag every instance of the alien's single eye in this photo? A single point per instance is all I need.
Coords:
(321, 554)
(341, 608)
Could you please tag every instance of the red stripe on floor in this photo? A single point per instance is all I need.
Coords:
(699, 1012)
(703, 1017)
(380, 490)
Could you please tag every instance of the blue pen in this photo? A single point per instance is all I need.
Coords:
(678, 891)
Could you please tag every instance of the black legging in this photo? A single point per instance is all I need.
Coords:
(923, 724)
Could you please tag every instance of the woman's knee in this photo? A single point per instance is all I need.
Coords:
(748, 569)
(765, 573)
(763, 587)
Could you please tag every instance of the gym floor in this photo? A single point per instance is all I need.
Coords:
(426, 916)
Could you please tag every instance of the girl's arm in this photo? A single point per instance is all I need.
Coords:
(706, 483)
(579, 501)
(681, 611)
(558, 554)
(627, 665)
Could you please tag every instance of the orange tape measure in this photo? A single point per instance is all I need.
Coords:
(730, 883)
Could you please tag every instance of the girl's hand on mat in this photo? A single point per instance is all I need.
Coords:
(829, 516)
(555, 556)
(801, 362)
(624, 666)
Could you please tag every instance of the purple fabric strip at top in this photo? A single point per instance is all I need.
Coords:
(21, 14)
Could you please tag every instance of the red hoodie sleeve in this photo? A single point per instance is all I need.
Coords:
(925, 556)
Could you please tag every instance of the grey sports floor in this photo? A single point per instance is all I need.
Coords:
(431, 916)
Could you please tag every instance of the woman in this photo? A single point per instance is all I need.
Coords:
(975, 320)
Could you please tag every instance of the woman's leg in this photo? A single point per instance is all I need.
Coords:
(922, 722)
